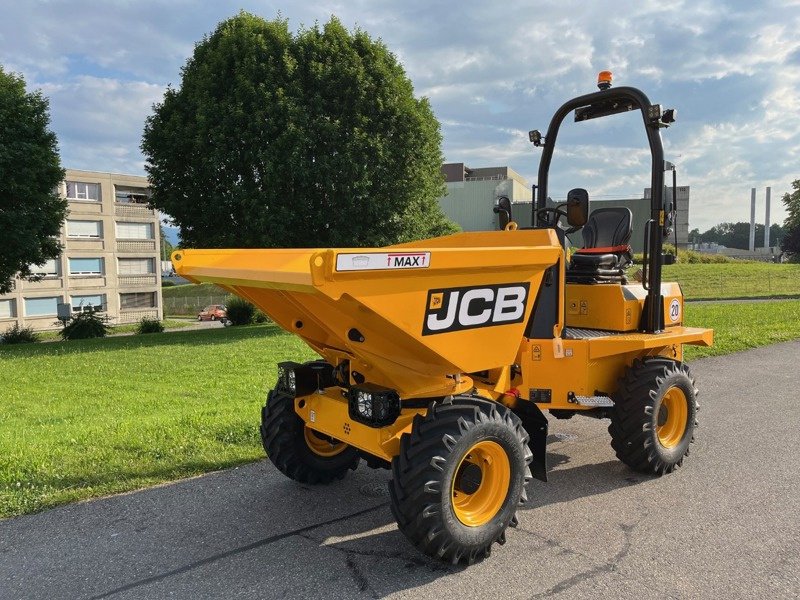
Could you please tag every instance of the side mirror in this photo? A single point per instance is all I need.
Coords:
(503, 211)
(577, 207)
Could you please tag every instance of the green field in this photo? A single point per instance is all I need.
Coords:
(735, 280)
(698, 281)
(87, 418)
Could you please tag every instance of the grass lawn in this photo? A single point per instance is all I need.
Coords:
(735, 280)
(87, 418)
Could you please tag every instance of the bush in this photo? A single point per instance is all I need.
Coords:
(19, 335)
(240, 311)
(260, 317)
(692, 257)
(167, 283)
(149, 325)
(84, 326)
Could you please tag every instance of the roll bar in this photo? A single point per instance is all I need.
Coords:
(600, 104)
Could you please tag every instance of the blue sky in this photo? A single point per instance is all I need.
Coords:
(491, 70)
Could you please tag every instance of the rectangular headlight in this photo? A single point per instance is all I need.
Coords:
(296, 380)
(373, 405)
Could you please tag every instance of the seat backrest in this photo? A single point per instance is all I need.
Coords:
(608, 227)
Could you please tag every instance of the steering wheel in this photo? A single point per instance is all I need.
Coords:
(557, 212)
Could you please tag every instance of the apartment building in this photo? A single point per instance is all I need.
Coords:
(110, 261)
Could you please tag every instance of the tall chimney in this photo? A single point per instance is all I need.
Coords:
(766, 221)
(752, 219)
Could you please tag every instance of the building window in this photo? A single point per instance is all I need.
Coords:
(48, 269)
(135, 231)
(85, 266)
(83, 191)
(41, 307)
(8, 309)
(131, 195)
(84, 229)
(137, 300)
(82, 303)
(136, 266)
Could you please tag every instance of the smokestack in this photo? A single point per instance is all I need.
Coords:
(766, 221)
(752, 219)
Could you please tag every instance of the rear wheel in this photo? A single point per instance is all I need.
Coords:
(299, 452)
(459, 478)
(654, 416)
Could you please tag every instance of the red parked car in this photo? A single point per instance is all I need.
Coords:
(214, 312)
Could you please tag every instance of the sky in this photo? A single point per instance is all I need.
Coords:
(492, 71)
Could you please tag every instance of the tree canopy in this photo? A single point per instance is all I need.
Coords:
(31, 211)
(791, 243)
(737, 235)
(275, 139)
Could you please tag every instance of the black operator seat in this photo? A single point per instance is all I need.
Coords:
(605, 253)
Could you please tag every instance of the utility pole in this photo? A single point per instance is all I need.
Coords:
(766, 220)
(752, 219)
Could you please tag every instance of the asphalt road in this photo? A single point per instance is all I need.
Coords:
(725, 525)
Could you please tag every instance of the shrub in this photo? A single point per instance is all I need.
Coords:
(149, 325)
(166, 283)
(260, 317)
(19, 335)
(85, 325)
(240, 311)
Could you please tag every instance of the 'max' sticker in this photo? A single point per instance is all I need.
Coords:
(456, 309)
(380, 261)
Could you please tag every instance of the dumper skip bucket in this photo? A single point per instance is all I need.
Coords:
(406, 315)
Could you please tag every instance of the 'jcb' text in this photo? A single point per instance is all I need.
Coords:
(455, 309)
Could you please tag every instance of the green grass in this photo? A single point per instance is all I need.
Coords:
(192, 290)
(735, 280)
(87, 418)
(740, 326)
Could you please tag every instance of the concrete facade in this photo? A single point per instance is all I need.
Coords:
(111, 256)
(472, 194)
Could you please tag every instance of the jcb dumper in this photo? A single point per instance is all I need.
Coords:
(438, 357)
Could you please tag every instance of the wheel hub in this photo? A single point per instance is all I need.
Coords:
(673, 416)
(481, 483)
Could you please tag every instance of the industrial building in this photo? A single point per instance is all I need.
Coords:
(472, 194)
(110, 259)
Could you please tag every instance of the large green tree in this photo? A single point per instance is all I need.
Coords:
(791, 242)
(31, 212)
(307, 139)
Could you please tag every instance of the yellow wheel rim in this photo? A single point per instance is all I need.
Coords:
(481, 483)
(321, 445)
(673, 415)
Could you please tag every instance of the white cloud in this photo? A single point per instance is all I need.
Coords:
(492, 72)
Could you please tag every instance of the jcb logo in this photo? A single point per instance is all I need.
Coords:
(454, 309)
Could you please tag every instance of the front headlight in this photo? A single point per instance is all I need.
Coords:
(373, 405)
(298, 380)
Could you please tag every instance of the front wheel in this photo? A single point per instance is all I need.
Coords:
(459, 478)
(299, 452)
(654, 416)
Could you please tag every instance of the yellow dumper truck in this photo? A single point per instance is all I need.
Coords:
(438, 358)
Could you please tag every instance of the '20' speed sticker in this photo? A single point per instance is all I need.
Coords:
(675, 311)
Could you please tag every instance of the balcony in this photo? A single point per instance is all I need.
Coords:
(136, 246)
(86, 281)
(132, 209)
(46, 283)
(145, 280)
(75, 243)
